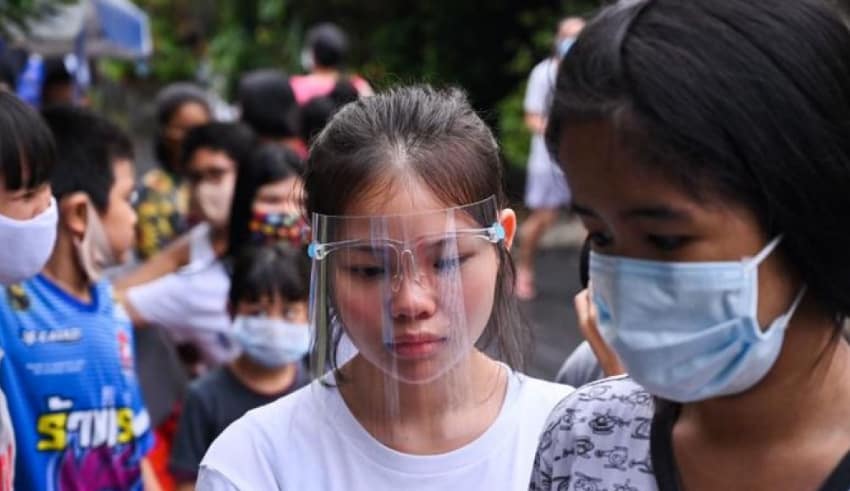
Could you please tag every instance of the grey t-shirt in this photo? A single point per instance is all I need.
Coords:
(596, 439)
(212, 403)
(580, 368)
(612, 435)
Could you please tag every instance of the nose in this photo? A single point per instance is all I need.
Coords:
(412, 300)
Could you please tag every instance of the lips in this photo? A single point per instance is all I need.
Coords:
(419, 345)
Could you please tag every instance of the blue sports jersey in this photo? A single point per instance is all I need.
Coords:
(68, 372)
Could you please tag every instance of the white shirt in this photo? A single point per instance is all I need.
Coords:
(191, 303)
(309, 440)
(538, 98)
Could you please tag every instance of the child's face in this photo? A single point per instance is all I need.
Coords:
(425, 323)
(630, 210)
(213, 176)
(186, 117)
(23, 204)
(279, 197)
(274, 308)
(119, 219)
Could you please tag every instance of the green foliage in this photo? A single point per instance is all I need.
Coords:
(488, 48)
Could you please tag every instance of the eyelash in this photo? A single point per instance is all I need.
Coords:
(665, 243)
(668, 242)
(440, 266)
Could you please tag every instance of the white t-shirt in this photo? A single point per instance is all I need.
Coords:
(191, 303)
(310, 440)
(538, 98)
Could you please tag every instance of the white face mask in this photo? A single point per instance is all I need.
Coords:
(214, 201)
(27, 244)
(94, 252)
(271, 342)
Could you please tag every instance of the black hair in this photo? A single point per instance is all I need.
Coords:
(584, 263)
(748, 101)
(435, 137)
(343, 92)
(319, 110)
(27, 149)
(267, 164)
(329, 45)
(268, 104)
(315, 115)
(87, 147)
(168, 102)
(234, 139)
(269, 271)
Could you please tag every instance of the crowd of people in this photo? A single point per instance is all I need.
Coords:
(322, 294)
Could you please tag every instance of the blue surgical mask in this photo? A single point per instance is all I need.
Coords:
(687, 331)
(564, 46)
(271, 342)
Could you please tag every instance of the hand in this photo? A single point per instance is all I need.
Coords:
(586, 314)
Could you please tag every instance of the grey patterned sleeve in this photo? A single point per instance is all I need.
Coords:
(551, 444)
(597, 439)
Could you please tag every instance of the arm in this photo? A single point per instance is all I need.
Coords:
(149, 480)
(169, 260)
(586, 313)
(186, 486)
(535, 123)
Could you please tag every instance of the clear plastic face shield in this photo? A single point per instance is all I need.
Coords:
(411, 293)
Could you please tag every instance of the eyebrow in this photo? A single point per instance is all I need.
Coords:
(652, 212)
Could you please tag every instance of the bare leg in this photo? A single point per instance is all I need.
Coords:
(537, 223)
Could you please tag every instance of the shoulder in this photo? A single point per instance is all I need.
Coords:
(209, 382)
(541, 391)
(605, 407)
(248, 450)
(541, 69)
(257, 424)
(602, 429)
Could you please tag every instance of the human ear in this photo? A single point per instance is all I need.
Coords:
(74, 212)
(507, 218)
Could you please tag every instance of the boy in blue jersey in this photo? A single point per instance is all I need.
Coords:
(68, 370)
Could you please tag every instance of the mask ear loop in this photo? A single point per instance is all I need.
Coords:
(764, 253)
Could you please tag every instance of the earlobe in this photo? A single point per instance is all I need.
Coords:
(507, 218)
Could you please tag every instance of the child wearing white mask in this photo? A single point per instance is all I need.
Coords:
(68, 366)
(268, 305)
(27, 220)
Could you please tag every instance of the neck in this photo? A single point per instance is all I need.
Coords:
(812, 371)
(263, 380)
(219, 239)
(428, 418)
(325, 71)
(64, 269)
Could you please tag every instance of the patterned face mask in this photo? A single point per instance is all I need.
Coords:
(269, 228)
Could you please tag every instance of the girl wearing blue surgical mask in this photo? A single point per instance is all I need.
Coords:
(707, 147)
(268, 304)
